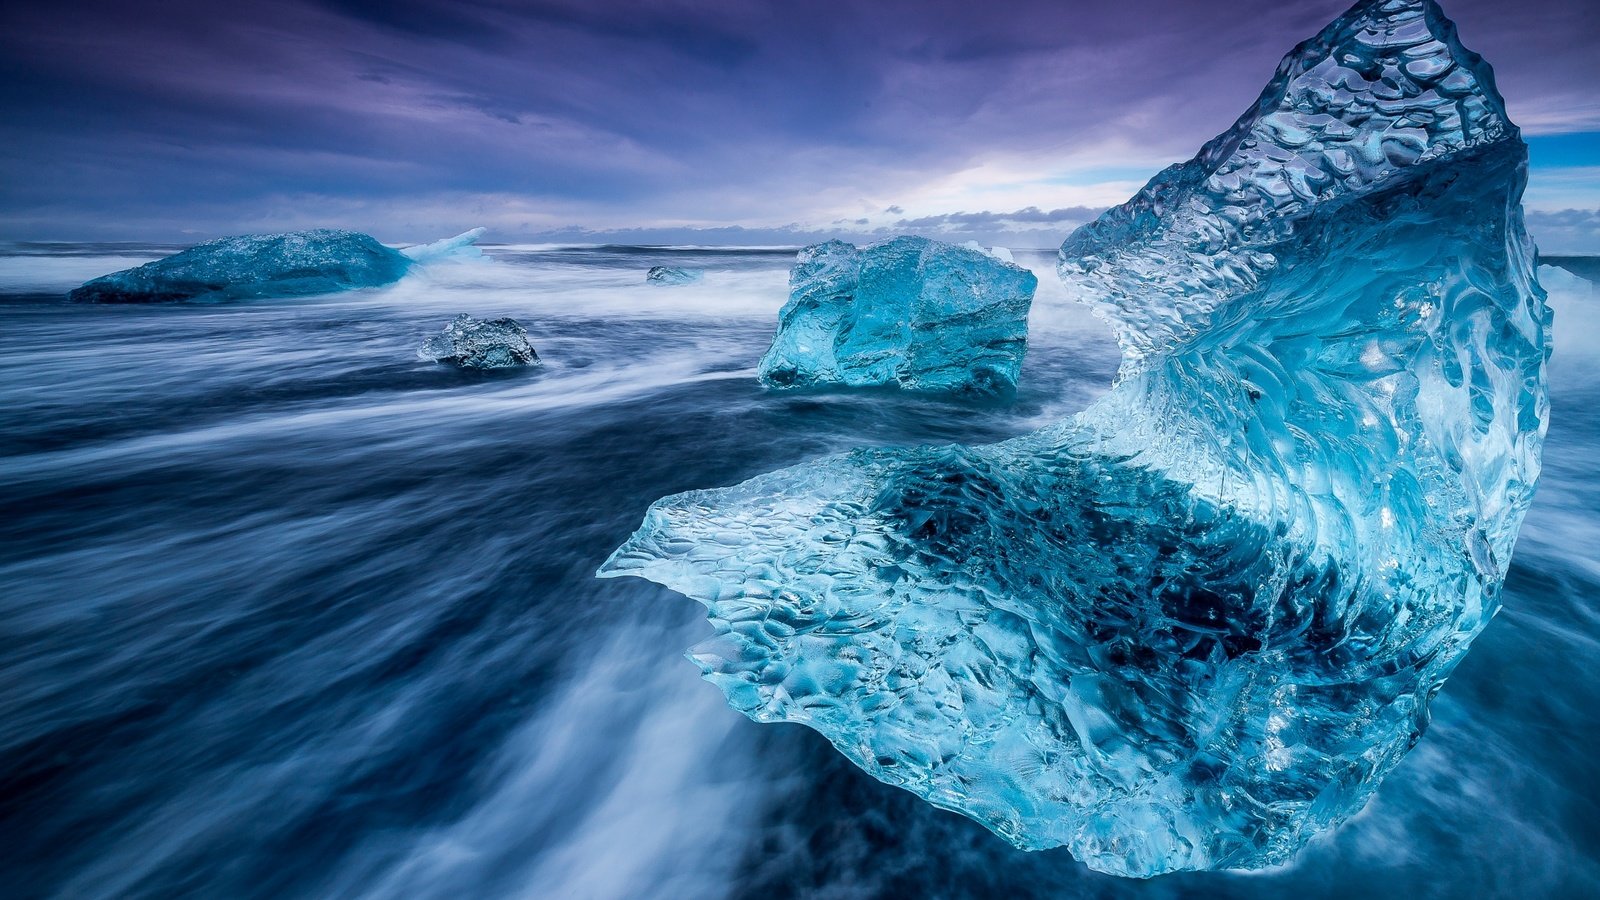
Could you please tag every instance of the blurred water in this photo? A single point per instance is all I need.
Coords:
(286, 611)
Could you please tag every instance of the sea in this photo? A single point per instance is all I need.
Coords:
(287, 611)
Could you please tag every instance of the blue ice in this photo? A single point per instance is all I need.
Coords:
(908, 312)
(294, 264)
(1196, 624)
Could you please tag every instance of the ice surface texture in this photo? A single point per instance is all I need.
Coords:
(908, 312)
(1197, 623)
(670, 275)
(269, 265)
(478, 344)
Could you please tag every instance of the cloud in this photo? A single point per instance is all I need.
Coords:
(116, 119)
(1566, 232)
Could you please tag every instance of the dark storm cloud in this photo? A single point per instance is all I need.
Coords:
(410, 117)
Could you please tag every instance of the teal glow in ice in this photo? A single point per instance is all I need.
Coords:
(908, 312)
(1197, 623)
(295, 264)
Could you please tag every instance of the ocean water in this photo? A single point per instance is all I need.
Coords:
(286, 611)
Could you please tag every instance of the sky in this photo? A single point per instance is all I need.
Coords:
(662, 121)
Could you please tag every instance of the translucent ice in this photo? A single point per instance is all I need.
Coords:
(999, 253)
(1557, 279)
(1199, 622)
(1584, 268)
(671, 275)
(269, 265)
(462, 246)
(909, 312)
(481, 344)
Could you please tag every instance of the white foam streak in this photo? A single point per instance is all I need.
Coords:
(632, 783)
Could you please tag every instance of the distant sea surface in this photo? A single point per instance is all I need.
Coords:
(286, 611)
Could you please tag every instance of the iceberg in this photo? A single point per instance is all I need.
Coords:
(462, 246)
(671, 275)
(481, 344)
(295, 264)
(1196, 624)
(908, 312)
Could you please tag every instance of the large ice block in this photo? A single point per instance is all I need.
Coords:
(295, 264)
(1196, 624)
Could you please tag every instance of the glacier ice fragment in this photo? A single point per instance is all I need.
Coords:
(1557, 279)
(295, 264)
(999, 253)
(481, 344)
(671, 275)
(1583, 268)
(462, 246)
(1199, 622)
(907, 312)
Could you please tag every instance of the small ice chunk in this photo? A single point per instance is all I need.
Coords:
(671, 275)
(999, 253)
(481, 344)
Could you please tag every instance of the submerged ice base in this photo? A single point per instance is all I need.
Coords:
(1196, 624)
(908, 312)
(294, 264)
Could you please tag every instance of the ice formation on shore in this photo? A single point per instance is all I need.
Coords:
(1199, 622)
(295, 264)
(907, 312)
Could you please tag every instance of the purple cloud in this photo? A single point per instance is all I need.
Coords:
(413, 117)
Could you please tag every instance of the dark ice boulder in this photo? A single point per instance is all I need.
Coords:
(295, 264)
(481, 344)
